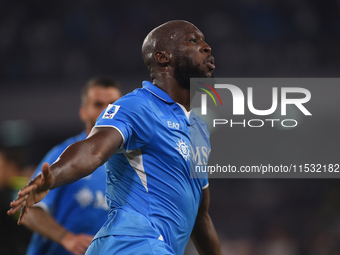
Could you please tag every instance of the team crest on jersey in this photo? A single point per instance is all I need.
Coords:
(111, 111)
(183, 149)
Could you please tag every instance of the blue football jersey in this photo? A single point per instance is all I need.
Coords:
(149, 187)
(80, 207)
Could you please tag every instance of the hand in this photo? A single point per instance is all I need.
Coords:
(34, 192)
(76, 243)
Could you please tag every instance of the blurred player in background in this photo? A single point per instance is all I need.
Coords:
(66, 220)
(145, 138)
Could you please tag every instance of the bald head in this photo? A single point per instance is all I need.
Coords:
(162, 38)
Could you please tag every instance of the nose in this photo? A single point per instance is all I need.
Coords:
(206, 48)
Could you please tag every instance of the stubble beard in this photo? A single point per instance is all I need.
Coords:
(184, 69)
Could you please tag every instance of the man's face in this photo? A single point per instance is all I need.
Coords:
(192, 56)
(97, 100)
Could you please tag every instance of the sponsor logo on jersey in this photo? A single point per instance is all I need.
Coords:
(200, 155)
(85, 197)
(111, 111)
(173, 125)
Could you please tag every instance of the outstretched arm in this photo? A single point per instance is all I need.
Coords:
(204, 235)
(40, 221)
(78, 160)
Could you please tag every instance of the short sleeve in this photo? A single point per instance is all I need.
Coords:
(205, 183)
(131, 116)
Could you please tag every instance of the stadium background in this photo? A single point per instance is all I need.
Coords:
(49, 49)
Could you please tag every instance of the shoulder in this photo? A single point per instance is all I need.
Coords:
(137, 103)
(138, 97)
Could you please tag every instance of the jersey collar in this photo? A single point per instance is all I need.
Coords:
(157, 92)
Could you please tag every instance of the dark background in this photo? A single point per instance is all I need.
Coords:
(49, 49)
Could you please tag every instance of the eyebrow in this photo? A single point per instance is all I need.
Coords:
(197, 33)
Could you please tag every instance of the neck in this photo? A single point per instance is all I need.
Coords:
(170, 85)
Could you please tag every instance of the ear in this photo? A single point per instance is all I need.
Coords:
(162, 57)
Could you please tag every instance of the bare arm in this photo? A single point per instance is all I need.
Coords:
(204, 235)
(40, 221)
(82, 158)
(78, 160)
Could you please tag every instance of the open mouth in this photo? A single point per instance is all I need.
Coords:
(210, 63)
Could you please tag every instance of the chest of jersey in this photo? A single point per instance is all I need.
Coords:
(183, 141)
